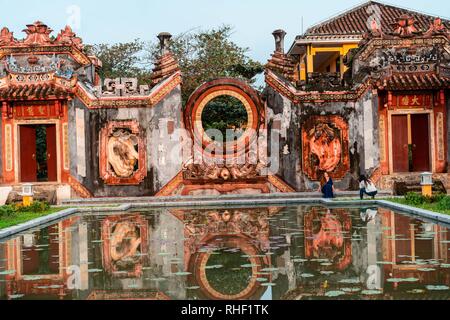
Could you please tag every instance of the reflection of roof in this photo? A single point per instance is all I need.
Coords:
(355, 21)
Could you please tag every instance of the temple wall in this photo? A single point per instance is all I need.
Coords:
(367, 108)
(85, 151)
(289, 119)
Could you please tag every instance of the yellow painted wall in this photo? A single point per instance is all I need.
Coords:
(312, 50)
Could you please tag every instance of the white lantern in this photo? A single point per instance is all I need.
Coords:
(427, 179)
(27, 190)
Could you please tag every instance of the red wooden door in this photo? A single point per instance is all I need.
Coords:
(51, 154)
(420, 142)
(400, 151)
(28, 164)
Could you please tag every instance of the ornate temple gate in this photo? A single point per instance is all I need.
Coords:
(238, 166)
(412, 132)
(35, 143)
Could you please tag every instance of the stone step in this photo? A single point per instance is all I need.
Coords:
(255, 198)
(46, 193)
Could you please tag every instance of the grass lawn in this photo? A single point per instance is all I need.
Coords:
(426, 206)
(19, 218)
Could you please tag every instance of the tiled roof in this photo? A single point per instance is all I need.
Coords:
(357, 21)
(415, 81)
(25, 92)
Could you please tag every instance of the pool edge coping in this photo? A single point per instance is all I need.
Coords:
(8, 232)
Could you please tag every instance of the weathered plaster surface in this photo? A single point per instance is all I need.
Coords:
(162, 165)
(362, 117)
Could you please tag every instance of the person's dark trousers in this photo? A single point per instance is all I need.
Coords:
(370, 194)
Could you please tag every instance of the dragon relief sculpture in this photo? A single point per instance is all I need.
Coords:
(122, 153)
(125, 245)
(325, 146)
(325, 141)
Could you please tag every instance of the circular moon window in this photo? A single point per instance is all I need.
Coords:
(227, 115)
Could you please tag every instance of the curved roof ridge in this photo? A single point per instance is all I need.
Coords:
(338, 25)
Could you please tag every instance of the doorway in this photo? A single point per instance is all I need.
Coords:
(411, 143)
(38, 155)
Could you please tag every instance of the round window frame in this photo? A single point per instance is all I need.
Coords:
(207, 93)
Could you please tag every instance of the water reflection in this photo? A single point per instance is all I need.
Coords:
(262, 253)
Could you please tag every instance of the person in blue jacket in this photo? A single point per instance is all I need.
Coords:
(327, 186)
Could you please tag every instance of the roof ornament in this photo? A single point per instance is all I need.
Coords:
(38, 33)
(281, 63)
(164, 42)
(68, 37)
(436, 28)
(279, 36)
(166, 65)
(6, 37)
(405, 27)
(375, 28)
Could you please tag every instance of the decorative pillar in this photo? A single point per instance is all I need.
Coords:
(279, 36)
(164, 42)
(440, 134)
(7, 144)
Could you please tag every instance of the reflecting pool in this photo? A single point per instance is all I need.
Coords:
(251, 253)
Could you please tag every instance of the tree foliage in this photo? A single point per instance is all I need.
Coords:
(225, 113)
(121, 60)
(205, 55)
(202, 55)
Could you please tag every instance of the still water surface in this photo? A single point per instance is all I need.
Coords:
(256, 253)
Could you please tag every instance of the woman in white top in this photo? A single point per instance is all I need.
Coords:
(367, 187)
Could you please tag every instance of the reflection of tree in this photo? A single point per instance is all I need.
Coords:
(225, 113)
(231, 278)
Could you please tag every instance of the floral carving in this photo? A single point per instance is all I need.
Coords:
(38, 33)
(214, 171)
(68, 37)
(6, 37)
(436, 28)
(405, 27)
(122, 154)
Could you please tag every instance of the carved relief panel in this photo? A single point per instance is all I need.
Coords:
(125, 245)
(326, 147)
(122, 153)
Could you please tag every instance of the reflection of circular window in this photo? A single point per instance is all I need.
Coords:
(226, 114)
(225, 273)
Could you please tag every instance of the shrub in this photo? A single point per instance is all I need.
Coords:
(13, 210)
(444, 203)
(438, 197)
(7, 211)
(416, 199)
(36, 207)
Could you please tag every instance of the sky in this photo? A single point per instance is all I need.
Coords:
(110, 21)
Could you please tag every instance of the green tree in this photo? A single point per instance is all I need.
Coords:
(121, 60)
(207, 54)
